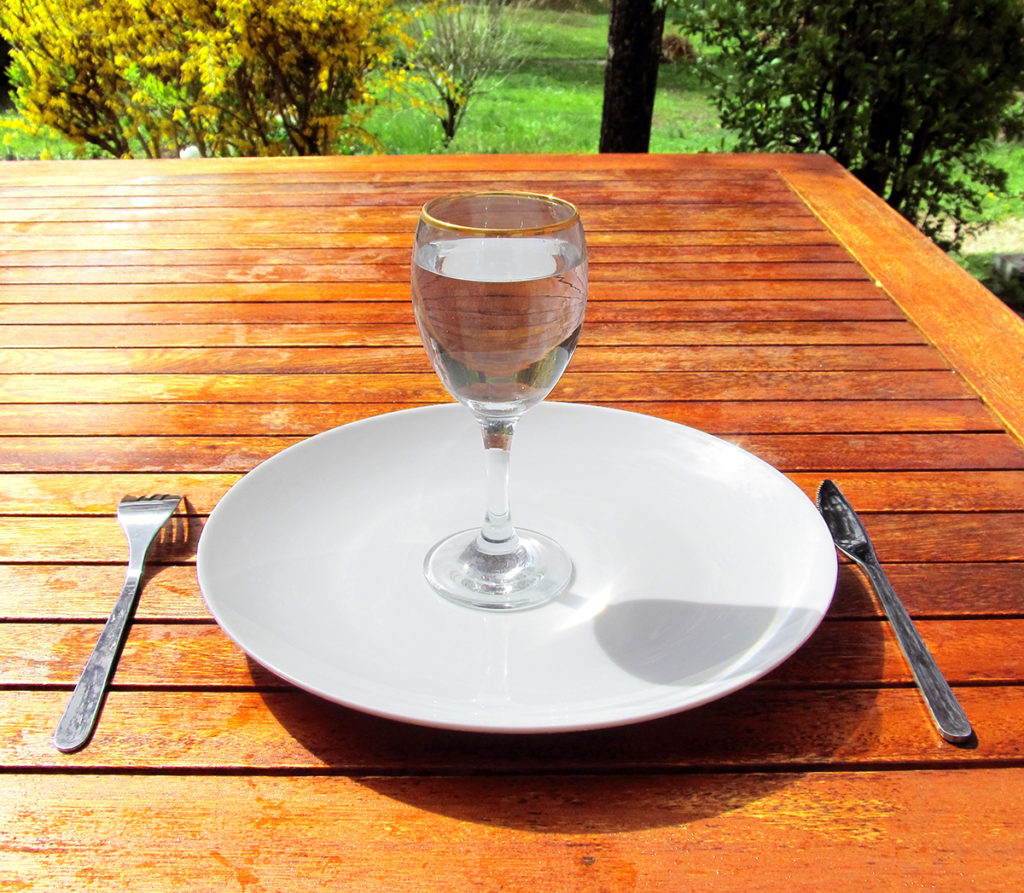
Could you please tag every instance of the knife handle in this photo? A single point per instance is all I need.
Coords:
(946, 711)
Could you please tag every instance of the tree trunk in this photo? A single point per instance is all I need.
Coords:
(634, 51)
(5, 84)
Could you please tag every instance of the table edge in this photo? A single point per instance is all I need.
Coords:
(977, 333)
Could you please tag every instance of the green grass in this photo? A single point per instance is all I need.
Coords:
(569, 34)
(552, 104)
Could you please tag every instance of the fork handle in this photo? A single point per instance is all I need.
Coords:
(946, 711)
(79, 717)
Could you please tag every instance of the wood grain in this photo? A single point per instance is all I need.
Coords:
(952, 536)
(850, 653)
(167, 325)
(623, 302)
(643, 833)
(979, 334)
(85, 592)
(716, 417)
(588, 358)
(69, 493)
(128, 292)
(425, 387)
(819, 453)
(291, 732)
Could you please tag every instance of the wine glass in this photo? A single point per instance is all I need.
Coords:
(499, 286)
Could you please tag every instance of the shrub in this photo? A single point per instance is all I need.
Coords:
(462, 47)
(245, 77)
(905, 95)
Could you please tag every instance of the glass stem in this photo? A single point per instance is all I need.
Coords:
(497, 535)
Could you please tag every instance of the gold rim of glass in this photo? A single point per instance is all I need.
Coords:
(553, 227)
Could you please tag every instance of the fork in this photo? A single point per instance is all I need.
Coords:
(141, 518)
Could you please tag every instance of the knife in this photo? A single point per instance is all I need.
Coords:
(852, 540)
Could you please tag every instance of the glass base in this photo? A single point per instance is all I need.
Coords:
(534, 573)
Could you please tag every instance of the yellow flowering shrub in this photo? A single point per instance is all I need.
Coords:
(229, 77)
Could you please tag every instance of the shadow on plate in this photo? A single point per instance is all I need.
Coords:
(690, 766)
(679, 643)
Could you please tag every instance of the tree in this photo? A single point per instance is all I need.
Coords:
(239, 77)
(905, 95)
(631, 76)
(463, 46)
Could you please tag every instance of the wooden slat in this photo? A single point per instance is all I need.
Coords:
(949, 536)
(849, 653)
(744, 244)
(716, 417)
(261, 198)
(81, 592)
(602, 246)
(402, 833)
(426, 387)
(94, 493)
(149, 170)
(656, 293)
(867, 452)
(873, 310)
(779, 216)
(610, 257)
(588, 358)
(91, 539)
(927, 491)
(662, 260)
(84, 593)
(215, 173)
(254, 174)
(276, 731)
(297, 326)
(790, 453)
(859, 314)
(327, 272)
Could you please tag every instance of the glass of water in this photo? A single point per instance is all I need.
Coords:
(499, 286)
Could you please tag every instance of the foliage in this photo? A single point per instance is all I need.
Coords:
(982, 266)
(245, 77)
(906, 95)
(465, 49)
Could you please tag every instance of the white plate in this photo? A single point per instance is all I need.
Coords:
(699, 568)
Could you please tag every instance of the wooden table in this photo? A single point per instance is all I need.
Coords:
(167, 325)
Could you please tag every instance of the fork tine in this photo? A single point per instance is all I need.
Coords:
(149, 503)
(142, 518)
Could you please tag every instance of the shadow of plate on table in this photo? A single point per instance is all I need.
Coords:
(697, 764)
